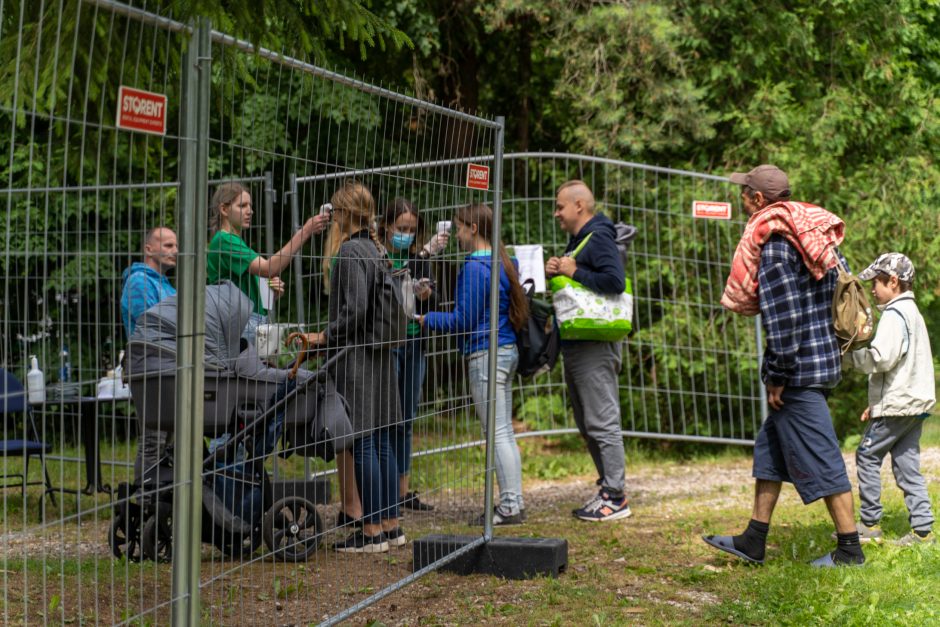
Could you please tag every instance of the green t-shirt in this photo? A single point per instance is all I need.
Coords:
(228, 259)
(400, 260)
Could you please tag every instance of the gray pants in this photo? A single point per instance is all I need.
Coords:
(150, 448)
(900, 436)
(591, 370)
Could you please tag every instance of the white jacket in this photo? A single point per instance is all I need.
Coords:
(899, 362)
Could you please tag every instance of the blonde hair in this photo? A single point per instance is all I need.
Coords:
(353, 211)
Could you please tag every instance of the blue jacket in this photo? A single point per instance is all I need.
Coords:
(144, 287)
(599, 265)
(471, 315)
(796, 311)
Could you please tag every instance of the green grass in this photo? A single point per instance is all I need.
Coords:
(650, 569)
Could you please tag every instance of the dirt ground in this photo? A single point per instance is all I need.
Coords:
(96, 589)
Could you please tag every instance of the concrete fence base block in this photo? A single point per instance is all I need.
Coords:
(316, 490)
(510, 558)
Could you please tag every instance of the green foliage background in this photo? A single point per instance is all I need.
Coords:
(843, 94)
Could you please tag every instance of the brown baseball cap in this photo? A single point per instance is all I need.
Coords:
(767, 179)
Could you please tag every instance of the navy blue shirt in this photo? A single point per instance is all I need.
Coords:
(600, 268)
(471, 314)
(796, 312)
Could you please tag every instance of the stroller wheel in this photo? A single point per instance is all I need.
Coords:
(124, 538)
(292, 529)
(157, 536)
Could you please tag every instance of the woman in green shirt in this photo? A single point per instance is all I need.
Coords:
(230, 258)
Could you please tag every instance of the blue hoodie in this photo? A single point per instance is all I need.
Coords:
(144, 287)
(600, 268)
(471, 314)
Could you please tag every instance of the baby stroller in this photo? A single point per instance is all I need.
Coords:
(248, 407)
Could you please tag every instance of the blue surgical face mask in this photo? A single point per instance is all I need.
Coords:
(402, 241)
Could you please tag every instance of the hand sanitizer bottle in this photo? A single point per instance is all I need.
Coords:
(35, 382)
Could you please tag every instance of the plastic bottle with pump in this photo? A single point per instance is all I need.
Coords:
(35, 382)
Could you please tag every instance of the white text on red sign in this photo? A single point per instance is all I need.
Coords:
(478, 176)
(711, 210)
(140, 110)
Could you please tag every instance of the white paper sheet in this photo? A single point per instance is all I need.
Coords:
(531, 264)
(266, 293)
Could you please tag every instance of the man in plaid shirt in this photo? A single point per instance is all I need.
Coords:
(802, 363)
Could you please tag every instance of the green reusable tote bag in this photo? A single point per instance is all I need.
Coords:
(586, 315)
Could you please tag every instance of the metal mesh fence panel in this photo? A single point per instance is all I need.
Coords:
(690, 369)
(244, 279)
(142, 149)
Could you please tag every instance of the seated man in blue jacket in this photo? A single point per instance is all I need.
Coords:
(592, 368)
(145, 285)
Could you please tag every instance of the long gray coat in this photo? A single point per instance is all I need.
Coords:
(365, 375)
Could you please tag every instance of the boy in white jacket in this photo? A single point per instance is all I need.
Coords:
(901, 394)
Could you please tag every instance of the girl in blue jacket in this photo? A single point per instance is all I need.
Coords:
(471, 320)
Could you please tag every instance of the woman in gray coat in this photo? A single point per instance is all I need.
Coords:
(360, 309)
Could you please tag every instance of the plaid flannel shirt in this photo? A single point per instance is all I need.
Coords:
(796, 312)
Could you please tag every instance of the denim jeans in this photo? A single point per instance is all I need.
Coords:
(254, 319)
(376, 476)
(411, 366)
(508, 462)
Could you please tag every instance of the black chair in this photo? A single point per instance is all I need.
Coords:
(13, 401)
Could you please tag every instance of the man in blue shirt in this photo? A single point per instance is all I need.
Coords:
(145, 283)
(802, 363)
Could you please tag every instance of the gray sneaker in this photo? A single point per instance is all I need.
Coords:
(866, 534)
(912, 539)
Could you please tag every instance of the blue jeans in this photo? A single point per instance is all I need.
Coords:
(508, 462)
(411, 366)
(376, 477)
(254, 319)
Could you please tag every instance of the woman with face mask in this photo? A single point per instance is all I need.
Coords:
(399, 229)
(470, 320)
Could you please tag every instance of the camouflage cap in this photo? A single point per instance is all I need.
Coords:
(892, 264)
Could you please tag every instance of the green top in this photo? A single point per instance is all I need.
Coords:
(400, 259)
(228, 259)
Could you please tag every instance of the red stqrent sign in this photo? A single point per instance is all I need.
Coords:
(711, 210)
(140, 110)
(478, 176)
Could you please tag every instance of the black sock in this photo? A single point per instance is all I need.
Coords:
(753, 542)
(849, 549)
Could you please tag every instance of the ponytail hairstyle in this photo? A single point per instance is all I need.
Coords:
(225, 194)
(353, 211)
(395, 210)
(482, 216)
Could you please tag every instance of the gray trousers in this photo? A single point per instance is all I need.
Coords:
(899, 436)
(591, 370)
(150, 448)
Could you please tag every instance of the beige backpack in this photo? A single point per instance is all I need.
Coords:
(851, 312)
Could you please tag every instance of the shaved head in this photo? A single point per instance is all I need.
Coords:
(575, 191)
(574, 206)
(160, 249)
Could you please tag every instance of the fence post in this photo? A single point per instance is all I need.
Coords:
(495, 242)
(269, 200)
(297, 261)
(191, 277)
